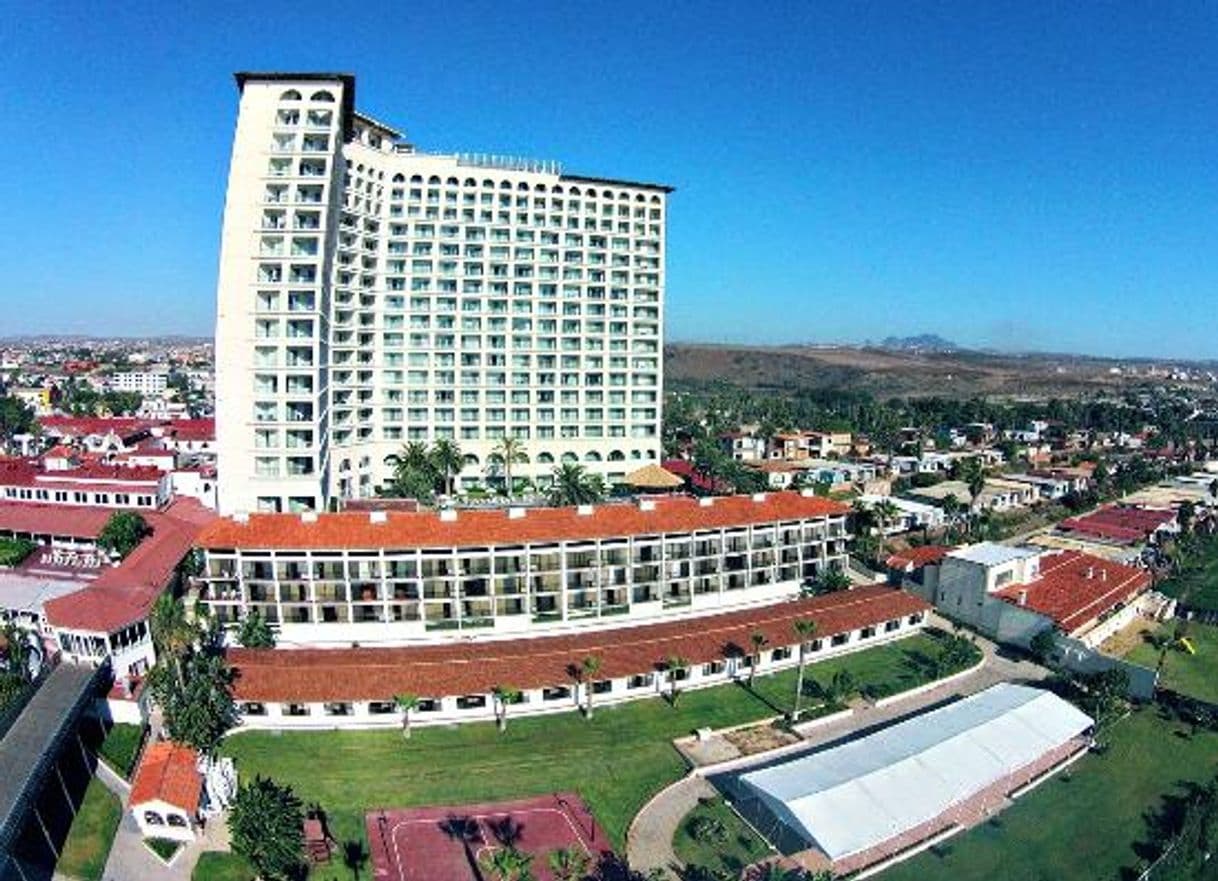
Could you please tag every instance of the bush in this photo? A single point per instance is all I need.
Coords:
(15, 550)
(122, 533)
(707, 829)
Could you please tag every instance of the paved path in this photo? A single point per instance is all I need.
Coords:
(649, 840)
(130, 860)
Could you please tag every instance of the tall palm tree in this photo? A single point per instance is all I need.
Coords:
(503, 695)
(972, 472)
(886, 513)
(951, 511)
(758, 641)
(16, 651)
(407, 703)
(447, 460)
(588, 669)
(568, 864)
(674, 665)
(573, 485)
(805, 628)
(412, 458)
(510, 451)
(173, 633)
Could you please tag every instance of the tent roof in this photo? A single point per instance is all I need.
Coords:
(653, 477)
(863, 793)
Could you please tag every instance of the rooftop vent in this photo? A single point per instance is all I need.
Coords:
(308, 516)
(758, 497)
(515, 512)
(448, 515)
(242, 517)
(706, 501)
(807, 492)
(378, 517)
(1023, 598)
(1090, 572)
(646, 505)
(583, 510)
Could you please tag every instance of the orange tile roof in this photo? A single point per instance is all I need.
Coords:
(168, 772)
(495, 527)
(916, 558)
(1076, 588)
(456, 668)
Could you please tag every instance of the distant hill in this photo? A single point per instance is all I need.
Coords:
(923, 342)
(902, 372)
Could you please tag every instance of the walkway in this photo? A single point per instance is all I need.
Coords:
(649, 839)
(130, 858)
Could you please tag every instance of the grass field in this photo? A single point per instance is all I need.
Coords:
(736, 847)
(121, 746)
(1086, 826)
(215, 866)
(88, 845)
(616, 761)
(1194, 675)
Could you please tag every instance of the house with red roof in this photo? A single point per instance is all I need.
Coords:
(83, 481)
(1123, 524)
(167, 791)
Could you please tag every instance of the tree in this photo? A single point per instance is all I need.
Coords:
(568, 864)
(1105, 696)
(510, 451)
(122, 532)
(1043, 645)
(173, 632)
(589, 667)
(414, 473)
(16, 652)
(508, 864)
(886, 514)
(831, 580)
(675, 666)
(573, 485)
(255, 632)
(266, 823)
(972, 472)
(951, 512)
(758, 641)
(447, 460)
(199, 710)
(805, 629)
(15, 418)
(406, 703)
(503, 696)
(840, 687)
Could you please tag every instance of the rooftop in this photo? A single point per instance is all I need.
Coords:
(1076, 588)
(168, 772)
(74, 521)
(1120, 523)
(916, 558)
(318, 675)
(466, 528)
(988, 553)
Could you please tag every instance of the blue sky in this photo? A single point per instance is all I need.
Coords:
(1016, 175)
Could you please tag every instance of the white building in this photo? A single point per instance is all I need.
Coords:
(145, 382)
(371, 294)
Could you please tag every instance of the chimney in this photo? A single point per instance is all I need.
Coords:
(1090, 572)
(1103, 575)
(378, 517)
(308, 516)
(515, 512)
(758, 497)
(586, 510)
(448, 515)
(807, 493)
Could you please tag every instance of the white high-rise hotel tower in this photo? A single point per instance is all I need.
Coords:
(371, 294)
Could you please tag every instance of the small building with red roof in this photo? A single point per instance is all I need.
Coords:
(1122, 524)
(167, 791)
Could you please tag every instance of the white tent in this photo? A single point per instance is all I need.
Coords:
(858, 795)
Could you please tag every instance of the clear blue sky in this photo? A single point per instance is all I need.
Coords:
(1016, 175)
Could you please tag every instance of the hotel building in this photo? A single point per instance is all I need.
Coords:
(371, 294)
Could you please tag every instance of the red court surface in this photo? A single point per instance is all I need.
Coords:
(448, 843)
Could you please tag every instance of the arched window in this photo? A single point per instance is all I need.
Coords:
(505, 184)
(290, 95)
(570, 459)
(640, 198)
(574, 191)
(471, 461)
(617, 456)
(592, 456)
(541, 188)
(451, 182)
(416, 178)
(488, 183)
(470, 182)
(399, 179)
(433, 180)
(636, 454)
(323, 95)
(152, 818)
(623, 196)
(655, 200)
(545, 458)
(557, 191)
(522, 186)
(176, 820)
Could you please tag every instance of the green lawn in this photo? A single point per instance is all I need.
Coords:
(1194, 675)
(121, 746)
(1083, 826)
(88, 845)
(215, 866)
(616, 761)
(734, 848)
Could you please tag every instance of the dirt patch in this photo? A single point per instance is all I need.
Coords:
(759, 739)
(1125, 640)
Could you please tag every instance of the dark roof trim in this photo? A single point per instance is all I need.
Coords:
(347, 80)
(613, 182)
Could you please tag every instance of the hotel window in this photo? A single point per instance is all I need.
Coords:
(471, 702)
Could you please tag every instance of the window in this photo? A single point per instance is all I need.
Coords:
(323, 95)
(471, 702)
(252, 708)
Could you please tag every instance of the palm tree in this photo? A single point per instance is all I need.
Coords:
(573, 485)
(173, 633)
(503, 695)
(508, 864)
(16, 651)
(951, 511)
(568, 864)
(972, 472)
(446, 459)
(758, 641)
(588, 669)
(886, 513)
(510, 451)
(675, 665)
(804, 629)
(407, 703)
(412, 459)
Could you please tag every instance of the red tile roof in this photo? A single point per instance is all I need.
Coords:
(456, 668)
(916, 558)
(193, 429)
(123, 594)
(28, 472)
(495, 527)
(83, 426)
(168, 772)
(75, 521)
(1076, 588)
(1120, 523)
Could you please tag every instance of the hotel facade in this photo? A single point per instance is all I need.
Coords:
(372, 294)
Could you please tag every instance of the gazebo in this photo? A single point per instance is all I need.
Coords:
(653, 478)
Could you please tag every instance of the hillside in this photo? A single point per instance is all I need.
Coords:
(888, 372)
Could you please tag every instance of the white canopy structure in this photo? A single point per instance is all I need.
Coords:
(859, 795)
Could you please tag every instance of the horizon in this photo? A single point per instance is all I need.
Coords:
(1012, 179)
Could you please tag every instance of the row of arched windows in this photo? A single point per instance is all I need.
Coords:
(293, 95)
(548, 458)
(589, 192)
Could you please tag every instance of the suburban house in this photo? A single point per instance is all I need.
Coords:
(166, 792)
(911, 515)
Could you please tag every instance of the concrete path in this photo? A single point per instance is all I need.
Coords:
(649, 839)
